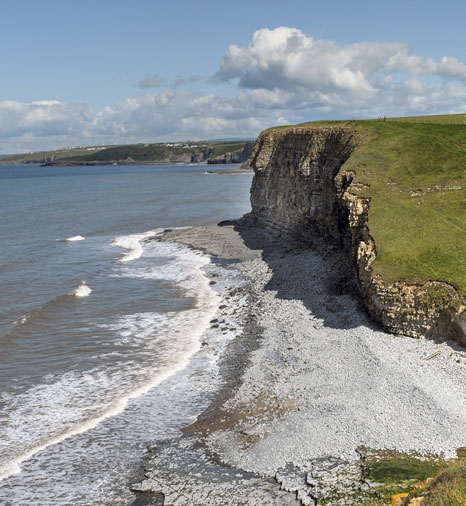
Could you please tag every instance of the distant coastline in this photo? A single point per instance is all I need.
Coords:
(213, 152)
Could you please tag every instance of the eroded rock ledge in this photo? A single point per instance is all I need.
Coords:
(301, 190)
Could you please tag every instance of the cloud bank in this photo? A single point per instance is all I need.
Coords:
(282, 76)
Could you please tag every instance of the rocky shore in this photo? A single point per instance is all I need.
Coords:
(308, 385)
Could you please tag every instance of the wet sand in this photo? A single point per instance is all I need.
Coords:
(306, 384)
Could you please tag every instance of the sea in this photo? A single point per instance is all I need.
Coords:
(100, 323)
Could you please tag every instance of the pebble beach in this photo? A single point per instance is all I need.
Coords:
(307, 382)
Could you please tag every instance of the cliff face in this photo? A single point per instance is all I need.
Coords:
(302, 191)
(236, 156)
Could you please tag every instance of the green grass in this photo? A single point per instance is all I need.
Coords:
(442, 482)
(442, 119)
(390, 472)
(226, 147)
(58, 154)
(394, 470)
(448, 488)
(415, 176)
(138, 152)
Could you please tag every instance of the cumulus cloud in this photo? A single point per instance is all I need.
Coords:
(180, 113)
(356, 79)
(282, 76)
(286, 58)
(43, 118)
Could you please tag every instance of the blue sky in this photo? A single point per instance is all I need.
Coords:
(74, 72)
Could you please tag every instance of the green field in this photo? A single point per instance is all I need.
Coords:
(138, 152)
(415, 176)
(221, 148)
(57, 154)
(441, 119)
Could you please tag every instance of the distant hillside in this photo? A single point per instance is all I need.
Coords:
(177, 152)
(46, 156)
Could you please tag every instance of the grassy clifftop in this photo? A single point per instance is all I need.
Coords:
(414, 172)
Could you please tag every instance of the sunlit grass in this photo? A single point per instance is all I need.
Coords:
(448, 488)
(414, 174)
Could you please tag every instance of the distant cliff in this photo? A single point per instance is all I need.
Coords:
(237, 156)
(179, 152)
(313, 181)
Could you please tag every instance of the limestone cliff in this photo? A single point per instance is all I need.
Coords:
(301, 190)
(236, 156)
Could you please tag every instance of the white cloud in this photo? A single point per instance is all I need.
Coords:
(43, 118)
(286, 58)
(169, 115)
(174, 114)
(288, 69)
(282, 76)
(150, 81)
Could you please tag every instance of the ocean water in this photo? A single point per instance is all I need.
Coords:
(100, 324)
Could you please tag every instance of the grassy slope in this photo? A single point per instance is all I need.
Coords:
(138, 152)
(449, 487)
(226, 147)
(441, 119)
(58, 154)
(416, 177)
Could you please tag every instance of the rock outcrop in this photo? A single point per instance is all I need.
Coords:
(237, 156)
(302, 191)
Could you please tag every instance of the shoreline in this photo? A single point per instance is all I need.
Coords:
(306, 385)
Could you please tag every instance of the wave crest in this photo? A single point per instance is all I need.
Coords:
(74, 238)
(133, 244)
(82, 291)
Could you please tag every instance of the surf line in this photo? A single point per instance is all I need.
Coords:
(118, 407)
(209, 309)
(133, 244)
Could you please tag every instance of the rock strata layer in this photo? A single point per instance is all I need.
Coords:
(237, 156)
(302, 191)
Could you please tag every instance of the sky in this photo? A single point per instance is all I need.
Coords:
(112, 71)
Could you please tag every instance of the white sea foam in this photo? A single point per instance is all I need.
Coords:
(162, 344)
(75, 238)
(21, 320)
(82, 291)
(133, 244)
(182, 267)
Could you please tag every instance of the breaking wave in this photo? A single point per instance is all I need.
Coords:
(74, 238)
(82, 291)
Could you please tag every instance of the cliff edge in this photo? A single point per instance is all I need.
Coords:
(392, 195)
